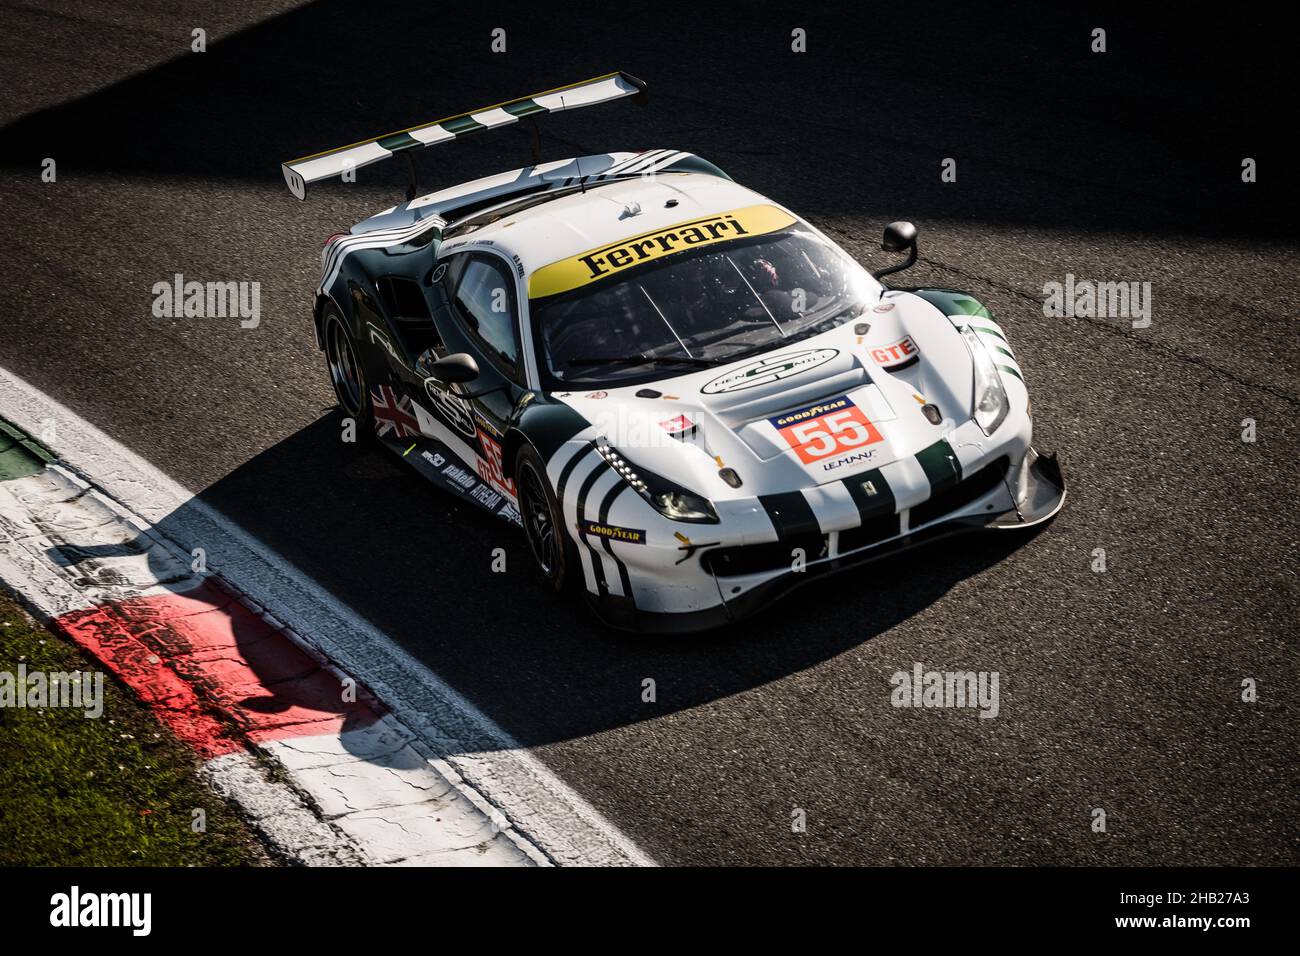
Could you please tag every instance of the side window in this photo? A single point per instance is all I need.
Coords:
(484, 300)
(455, 266)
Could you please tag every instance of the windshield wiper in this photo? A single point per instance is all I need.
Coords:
(639, 360)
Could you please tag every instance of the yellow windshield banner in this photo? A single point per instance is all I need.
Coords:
(609, 260)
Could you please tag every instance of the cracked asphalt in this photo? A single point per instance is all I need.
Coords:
(1119, 690)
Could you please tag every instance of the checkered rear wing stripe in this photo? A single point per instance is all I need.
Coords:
(334, 162)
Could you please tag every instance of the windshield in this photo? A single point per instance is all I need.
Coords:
(697, 310)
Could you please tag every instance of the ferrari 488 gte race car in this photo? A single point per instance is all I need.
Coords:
(691, 399)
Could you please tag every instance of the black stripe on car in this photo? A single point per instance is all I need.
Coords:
(790, 514)
(871, 493)
(876, 509)
(597, 565)
(941, 466)
(967, 492)
(797, 530)
(567, 471)
(607, 503)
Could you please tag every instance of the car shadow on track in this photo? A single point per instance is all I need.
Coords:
(418, 564)
(858, 125)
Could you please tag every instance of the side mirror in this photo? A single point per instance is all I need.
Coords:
(459, 367)
(899, 237)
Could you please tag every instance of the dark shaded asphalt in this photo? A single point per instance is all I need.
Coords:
(1119, 690)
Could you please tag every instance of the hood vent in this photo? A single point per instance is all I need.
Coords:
(738, 408)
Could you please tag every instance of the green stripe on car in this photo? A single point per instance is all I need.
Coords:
(524, 108)
(988, 331)
(462, 124)
(398, 142)
(941, 466)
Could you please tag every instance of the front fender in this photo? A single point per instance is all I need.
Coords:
(544, 423)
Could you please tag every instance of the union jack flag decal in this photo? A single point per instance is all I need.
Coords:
(394, 415)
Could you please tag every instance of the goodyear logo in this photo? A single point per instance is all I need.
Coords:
(812, 411)
(568, 274)
(613, 532)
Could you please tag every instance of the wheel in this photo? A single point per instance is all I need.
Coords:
(543, 518)
(347, 375)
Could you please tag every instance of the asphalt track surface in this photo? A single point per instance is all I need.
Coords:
(1119, 690)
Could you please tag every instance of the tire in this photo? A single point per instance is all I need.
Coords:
(553, 550)
(347, 374)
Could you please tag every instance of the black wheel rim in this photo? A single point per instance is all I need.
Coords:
(345, 374)
(538, 522)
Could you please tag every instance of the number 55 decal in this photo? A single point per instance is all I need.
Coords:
(827, 428)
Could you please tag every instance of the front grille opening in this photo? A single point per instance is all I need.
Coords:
(873, 531)
(761, 558)
(961, 494)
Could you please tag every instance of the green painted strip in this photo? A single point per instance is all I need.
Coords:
(970, 306)
(20, 454)
(462, 124)
(1007, 352)
(988, 331)
(941, 466)
(1012, 371)
(524, 108)
(398, 142)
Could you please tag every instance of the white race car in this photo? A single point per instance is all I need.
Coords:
(691, 399)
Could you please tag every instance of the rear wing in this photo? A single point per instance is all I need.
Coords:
(334, 162)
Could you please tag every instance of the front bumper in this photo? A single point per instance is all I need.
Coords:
(1035, 486)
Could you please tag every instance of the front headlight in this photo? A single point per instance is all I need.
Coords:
(670, 500)
(991, 403)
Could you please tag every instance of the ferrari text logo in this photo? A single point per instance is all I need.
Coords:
(611, 259)
(625, 254)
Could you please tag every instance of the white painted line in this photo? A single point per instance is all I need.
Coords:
(550, 821)
(279, 814)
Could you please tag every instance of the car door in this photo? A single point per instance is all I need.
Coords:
(482, 319)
